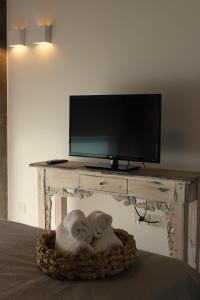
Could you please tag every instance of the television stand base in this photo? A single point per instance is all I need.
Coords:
(108, 167)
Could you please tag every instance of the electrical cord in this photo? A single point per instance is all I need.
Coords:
(142, 218)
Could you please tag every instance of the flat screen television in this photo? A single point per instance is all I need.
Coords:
(116, 127)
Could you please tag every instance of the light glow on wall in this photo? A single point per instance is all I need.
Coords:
(44, 45)
(18, 49)
(45, 21)
(45, 50)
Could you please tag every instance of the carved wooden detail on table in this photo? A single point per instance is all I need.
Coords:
(166, 207)
(62, 192)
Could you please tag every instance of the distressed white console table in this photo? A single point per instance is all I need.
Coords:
(176, 193)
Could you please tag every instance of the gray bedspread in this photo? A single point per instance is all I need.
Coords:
(153, 277)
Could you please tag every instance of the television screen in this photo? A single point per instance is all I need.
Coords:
(124, 127)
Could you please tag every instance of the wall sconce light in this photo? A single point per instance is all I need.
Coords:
(43, 34)
(16, 37)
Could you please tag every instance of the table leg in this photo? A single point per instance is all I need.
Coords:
(60, 209)
(198, 230)
(180, 238)
(192, 234)
(48, 209)
(41, 198)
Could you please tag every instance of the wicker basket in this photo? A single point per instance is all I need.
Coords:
(85, 266)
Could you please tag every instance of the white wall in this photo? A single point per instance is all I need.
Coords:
(115, 46)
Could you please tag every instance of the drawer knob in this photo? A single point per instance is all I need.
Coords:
(102, 183)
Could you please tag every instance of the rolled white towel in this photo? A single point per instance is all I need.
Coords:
(100, 223)
(78, 226)
(107, 242)
(65, 243)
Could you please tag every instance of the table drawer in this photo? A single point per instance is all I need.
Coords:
(61, 179)
(107, 184)
(152, 190)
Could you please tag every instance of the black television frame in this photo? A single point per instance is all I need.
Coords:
(114, 159)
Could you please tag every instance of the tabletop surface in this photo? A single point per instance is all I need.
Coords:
(187, 176)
